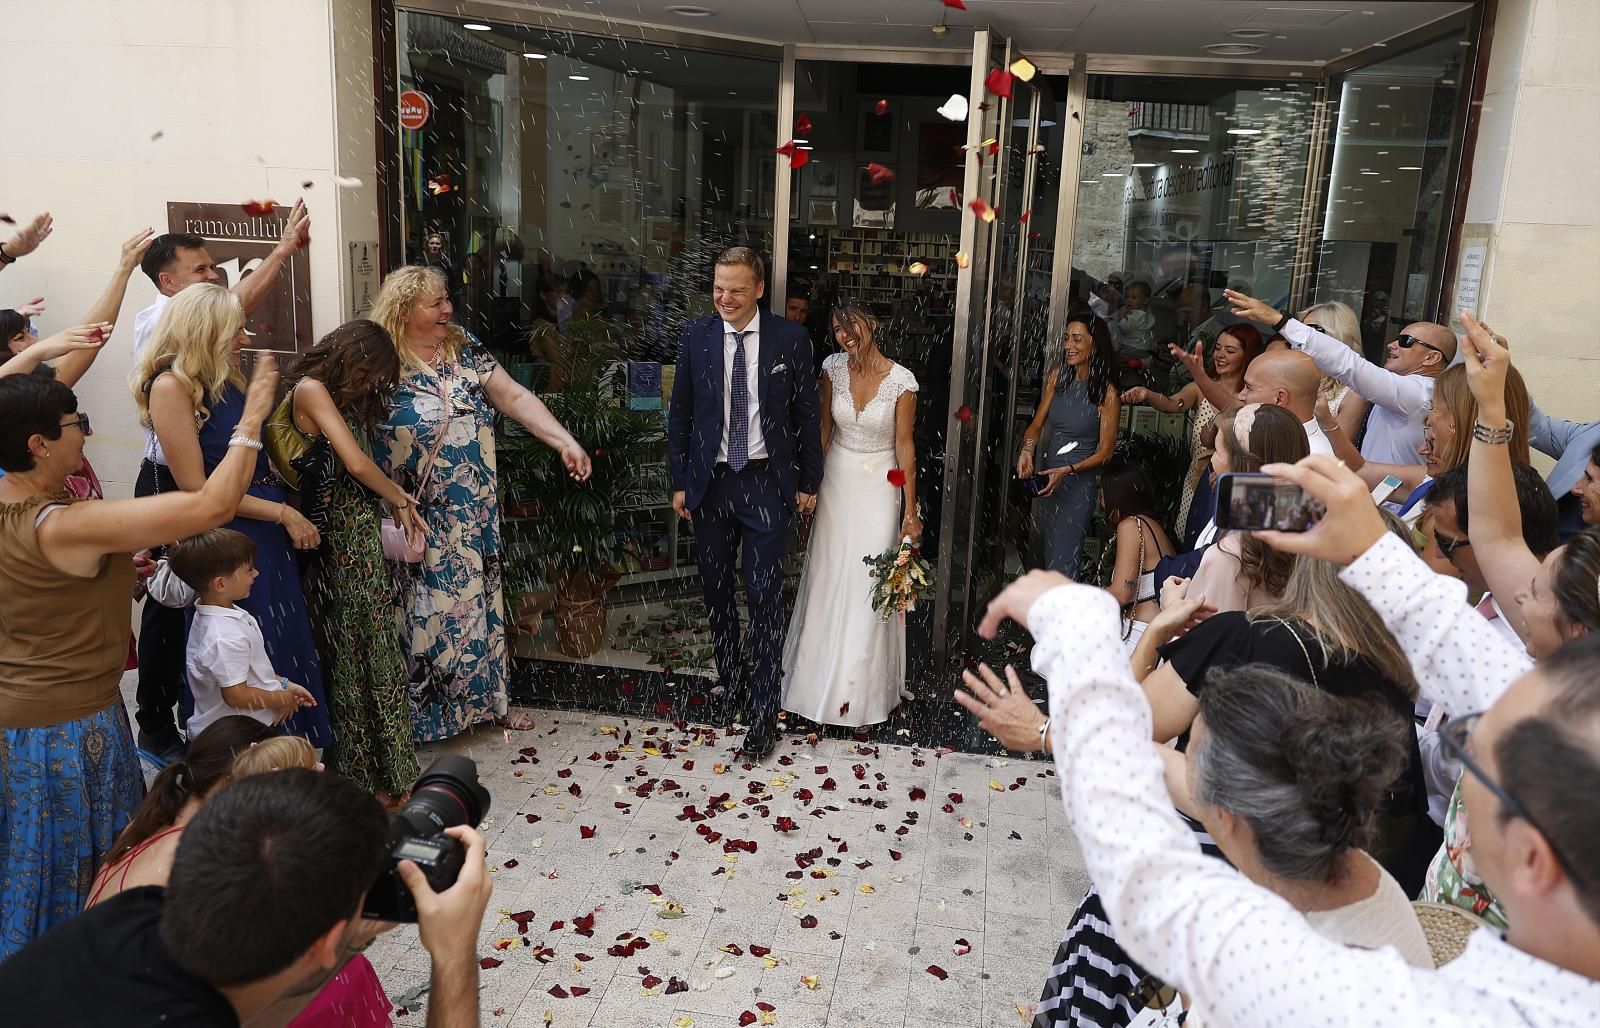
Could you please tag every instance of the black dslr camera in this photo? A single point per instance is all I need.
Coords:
(447, 794)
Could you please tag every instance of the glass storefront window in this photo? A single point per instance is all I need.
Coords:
(576, 191)
(1392, 140)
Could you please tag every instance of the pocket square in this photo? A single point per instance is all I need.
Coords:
(779, 367)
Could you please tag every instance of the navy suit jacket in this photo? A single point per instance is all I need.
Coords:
(790, 419)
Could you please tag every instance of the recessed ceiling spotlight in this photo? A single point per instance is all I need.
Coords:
(578, 78)
(1409, 167)
(1145, 164)
(530, 55)
(1185, 150)
(1244, 132)
(1249, 33)
(476, 26)
(690, 11)
(1111, 174)
(1232, 49)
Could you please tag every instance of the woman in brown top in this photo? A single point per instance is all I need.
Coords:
(69, 780)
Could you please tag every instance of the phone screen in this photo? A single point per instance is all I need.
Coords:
(1252, 502)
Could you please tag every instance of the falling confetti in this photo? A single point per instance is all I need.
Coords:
(880, 173)
(956, 4)
(962, 260)
(917, 268)
(998, 82)
(156, 135)
(259, 208)
(897, 478)
(347, 182)
(963, 414)
(938, 972)
(981, 208)
(802, 125)
(880, 108)
(955, 108)
(1023, 69)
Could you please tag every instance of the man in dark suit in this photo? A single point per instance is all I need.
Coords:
(745, 444)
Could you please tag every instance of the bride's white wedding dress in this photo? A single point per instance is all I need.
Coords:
(841, 665)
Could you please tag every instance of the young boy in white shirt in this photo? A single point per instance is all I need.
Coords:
(229, 672)
(1136, 326)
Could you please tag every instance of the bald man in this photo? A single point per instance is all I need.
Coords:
(1287, 379)
(1400, 392)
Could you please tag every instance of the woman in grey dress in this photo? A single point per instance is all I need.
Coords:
(1077, 418)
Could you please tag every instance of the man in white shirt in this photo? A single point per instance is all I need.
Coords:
(1400, 392)
(1242, 953)
(1289, 380)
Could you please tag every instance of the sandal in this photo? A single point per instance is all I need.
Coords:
(517, 721)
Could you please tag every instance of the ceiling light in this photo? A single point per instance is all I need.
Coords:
(1249, 33)
(1111, 174)
(475, 26)
(1232, 49)
(1369, 173)
(1185, 150)
(690, 11)
(1408, 167)
(1088, 182)
(578, 78)
(1244, 132)
(1145, 164)
(534, 57)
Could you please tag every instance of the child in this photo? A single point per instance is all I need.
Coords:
(1137, 326)
(275, 755)
(229, 672)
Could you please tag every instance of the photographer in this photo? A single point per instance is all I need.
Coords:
(262, 907)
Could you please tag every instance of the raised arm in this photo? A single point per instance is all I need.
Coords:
(520, 405)
(1184, 399)
(1406, 395)
(1551, 436)
(251, 289)
(76, 538)
(1502, 554)
(26, 239)
(1458, 659)
(83, 338)
(75, 365)
(1191, 920)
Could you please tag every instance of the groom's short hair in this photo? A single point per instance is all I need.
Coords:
(747, 257)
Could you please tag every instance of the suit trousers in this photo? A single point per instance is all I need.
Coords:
(163, 636)
(745, 511)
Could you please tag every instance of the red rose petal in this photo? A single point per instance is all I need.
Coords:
(897, 478)
(579, 990)
(957, 4)
(800, 158)
(964, 414)
(759, 951)
(786, 149)
(809, 921)
(895, 854)
(509, 864)
(955, 797)
(880, 173)
(559, 993)
(938, 972)
(746, 1018)
(880, 108)
(802, 125)
(918, 794)
(488, 962)
(766, 1007)
(998, 81)
(586, 831)
(844, 709)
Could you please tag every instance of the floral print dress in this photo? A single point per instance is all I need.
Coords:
(453, 630)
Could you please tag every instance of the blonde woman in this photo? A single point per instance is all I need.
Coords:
(189, 392)
(438, 443)
(1339, 321)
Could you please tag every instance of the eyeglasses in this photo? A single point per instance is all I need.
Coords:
(1406, 342)
(82, 421)
(1454, 738)
(1446, 545)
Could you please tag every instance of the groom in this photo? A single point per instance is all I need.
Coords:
(745, 446)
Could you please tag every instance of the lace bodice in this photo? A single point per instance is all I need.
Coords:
(871, 429)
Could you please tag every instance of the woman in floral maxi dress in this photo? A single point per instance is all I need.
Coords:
(439, 443)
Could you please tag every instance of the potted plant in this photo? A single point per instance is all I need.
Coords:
(573, 538)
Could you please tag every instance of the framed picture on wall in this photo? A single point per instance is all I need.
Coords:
(823, 213)
(824, 179)
(877, 130)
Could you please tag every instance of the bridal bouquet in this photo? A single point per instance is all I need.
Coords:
(900, 577)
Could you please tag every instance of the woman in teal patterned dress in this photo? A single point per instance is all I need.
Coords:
(438, 441)
(338, 395)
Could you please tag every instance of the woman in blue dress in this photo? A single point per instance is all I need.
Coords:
(438, 443)
(189, 389)
(1077, 419)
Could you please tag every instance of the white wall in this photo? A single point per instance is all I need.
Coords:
(248, 102)
(1533, 201)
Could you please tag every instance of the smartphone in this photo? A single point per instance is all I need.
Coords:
(1382, 490)
(1253, 502)
(1033, 485)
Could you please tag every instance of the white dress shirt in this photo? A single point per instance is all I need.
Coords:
(1399, 402)
(144, 326)
(1240, 952)
(1317, 437)
(226, 649)
(757, 448)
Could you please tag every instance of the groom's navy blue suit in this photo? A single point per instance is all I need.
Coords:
(753, 506)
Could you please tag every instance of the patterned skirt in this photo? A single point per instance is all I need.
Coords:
(68, 790)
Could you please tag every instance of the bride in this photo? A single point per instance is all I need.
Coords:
(841, 665)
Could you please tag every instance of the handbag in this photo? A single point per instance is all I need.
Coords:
(284, 441)
(395, 544)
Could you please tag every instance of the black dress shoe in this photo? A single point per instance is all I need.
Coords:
(762, 737)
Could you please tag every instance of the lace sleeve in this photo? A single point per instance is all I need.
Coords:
(831, 363)
(904, 380)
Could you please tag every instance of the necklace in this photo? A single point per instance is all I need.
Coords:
(1309, 665)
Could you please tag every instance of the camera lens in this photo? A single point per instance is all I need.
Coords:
(447, 794)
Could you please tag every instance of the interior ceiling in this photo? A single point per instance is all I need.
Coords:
(1296, 30)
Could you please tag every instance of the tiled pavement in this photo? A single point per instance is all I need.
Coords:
(822, 922)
